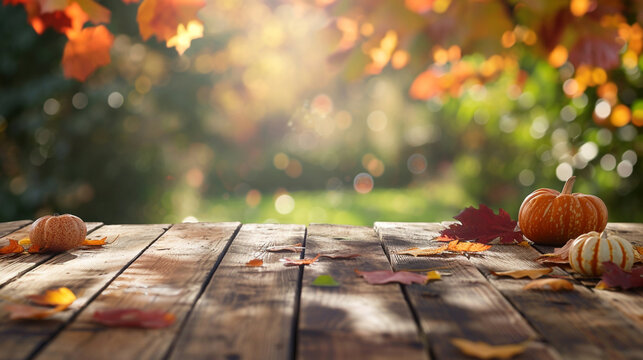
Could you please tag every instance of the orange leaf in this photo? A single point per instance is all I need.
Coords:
(422, 251)
(524, 243)
(458, 246)
(34, 249)
(518, 274)
(152, 319)
(482, 350)
(550, 284)
(12, 248)
(255, 262)
(297, 262)
(58, 297)
(87, 50)
(21, 311)
(161, 18)
(97, 242)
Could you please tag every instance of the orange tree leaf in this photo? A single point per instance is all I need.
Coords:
(12, 248)
(559, 256)
(458, 246)
(297, 262)
(57, 297)
(550, 284)
(614, 276)
(422, 251)
(255, 262)
(152, 319)
(484, 226)
(96, 242)
(387, 276)
(34, 249)
(291, 248)
(518, 274)
(21, 311)
(161, 18)
(482, 350)
(87, 50)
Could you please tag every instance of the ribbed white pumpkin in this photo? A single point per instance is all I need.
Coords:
(589, 251)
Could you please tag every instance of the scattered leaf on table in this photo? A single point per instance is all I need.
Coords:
(325, 281)
(638, 254)
(518, 274)
(12, 248)
(255, 262)
(57, 297)
(524, 243)
(291, 248)
(24, 242)
(97, 242)
(339, 256)
(422, 251)
(152, 319)
(22, 311)
(614, 276)
(432, 275)
(559, 256)
(459, 246)
(482, 350)
(297, 262)
(387, 276)
(484, 226)
(34, 249)
(550, 284)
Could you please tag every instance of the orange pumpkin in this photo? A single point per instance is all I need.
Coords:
(57, 233)
(551, 218)
(589, 251)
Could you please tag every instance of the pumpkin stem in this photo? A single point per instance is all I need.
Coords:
(567, 189)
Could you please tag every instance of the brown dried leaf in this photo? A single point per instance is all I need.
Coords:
(387, 276)
(150, 319)
(482, 350)
(297, 262)
(255, 262)
(339, 256)
(530, 273)
(422, 251)
(457, 246)
(550, 284)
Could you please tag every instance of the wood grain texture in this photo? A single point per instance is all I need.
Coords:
(355, 320)
(461, 305)
(85, 271)
(168, 276)
(14, 265)
(11, 226)
(246, 312)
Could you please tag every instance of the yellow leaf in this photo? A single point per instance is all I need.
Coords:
(184, 36)
(433, 275)
(24, 242)
(524, 243)
(422, 251)
(98, 242)
(58, 297)
(550, 284)
(482, 350)
(531, 273)
(459, 246)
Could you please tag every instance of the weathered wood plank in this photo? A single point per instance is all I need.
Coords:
(355, 320)
(168, 276)
(462, 304)
(246, 312)
(14, 265)
(85, 271)
(577, 324)
(11, 226)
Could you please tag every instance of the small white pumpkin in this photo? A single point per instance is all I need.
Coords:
(589, 251)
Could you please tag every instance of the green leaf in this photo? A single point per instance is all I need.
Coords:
(326, 281)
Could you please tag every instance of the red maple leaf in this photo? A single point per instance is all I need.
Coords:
(483, 225)
(152, 319)
(614, 276)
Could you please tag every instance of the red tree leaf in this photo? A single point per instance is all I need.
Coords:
(152, 319)
(483, 226)
(386, 276)
(596, 51)
(614, 276)
(86, 51)
(12, 248)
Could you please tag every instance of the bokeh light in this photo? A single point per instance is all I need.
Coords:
(363, 183)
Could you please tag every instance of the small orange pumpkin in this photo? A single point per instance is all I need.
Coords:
(58, 233)
(589, 251)
(548, 217)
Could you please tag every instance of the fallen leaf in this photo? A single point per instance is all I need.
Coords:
(87, 50)
(57, 297)
(297, 262)
(98, 242)
(524, 243)
(291, 248)
(255, 262)
(433, 275)
(339, 256)
(518, 274)
(152, 319)
(387, 276)
(458, 246)
(325, 281)
(22, 311)
(24, 242)
(483, 225)
(12, 248)
(422, 251)
(638, 254)
(34, 249)
(549, 284)
(559, 256)
(614, 276)
(482, 350)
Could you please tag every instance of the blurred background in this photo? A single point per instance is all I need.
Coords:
(332, 111)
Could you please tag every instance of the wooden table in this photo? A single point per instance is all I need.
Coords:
(226, 310)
